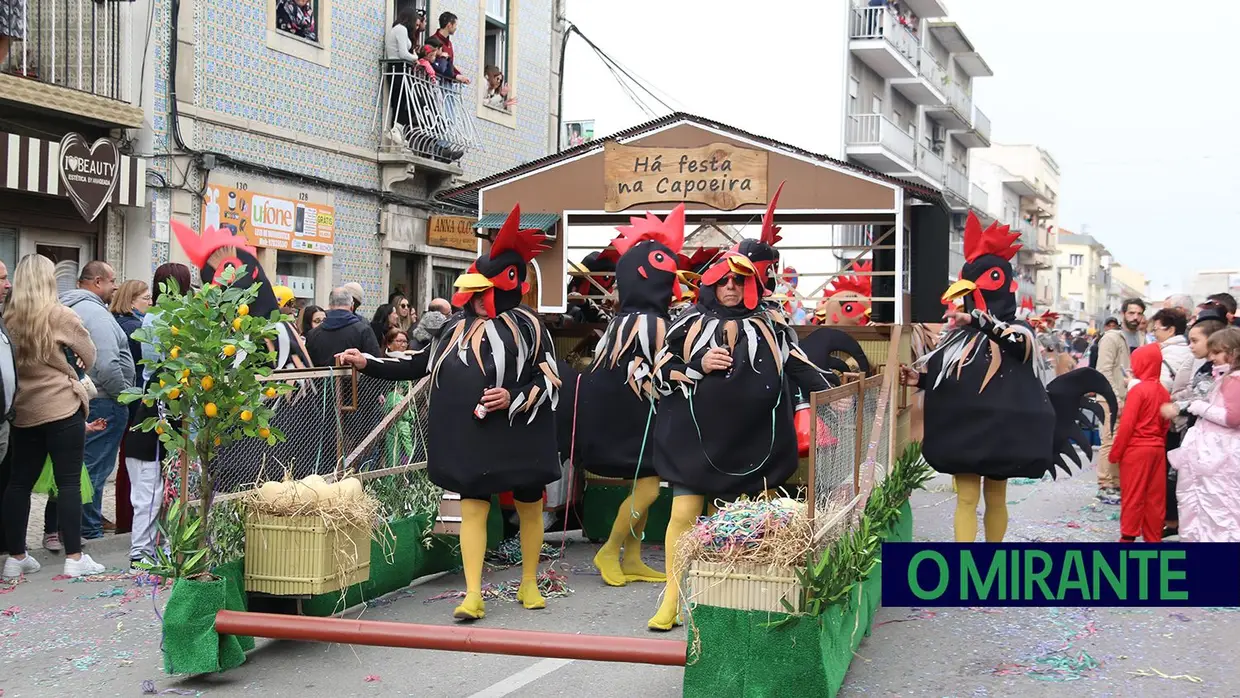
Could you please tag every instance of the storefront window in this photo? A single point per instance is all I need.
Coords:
(296, 271)
(441, 283)
(8, 248)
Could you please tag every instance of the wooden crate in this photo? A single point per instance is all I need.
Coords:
(449, 520)
(300, 555)
(744, 587)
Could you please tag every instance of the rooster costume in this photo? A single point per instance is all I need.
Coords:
(501, 344)
(617, 395)
(727, 432)
(848, 302)
(987, 415)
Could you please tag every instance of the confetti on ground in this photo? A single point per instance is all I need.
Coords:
(1180, 617)
(148, 687)
(551, 584)
(508, 554)
(10, 612)
(916, 614)
(105, 594)
(10, 584)
(1024, 481)
(372, 678)
(584, 570)
(390, 599)
(1156, 673)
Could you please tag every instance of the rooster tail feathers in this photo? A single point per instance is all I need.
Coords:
(1067, 395)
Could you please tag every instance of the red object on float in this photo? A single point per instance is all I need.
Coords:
(800, 421)
(453, 638)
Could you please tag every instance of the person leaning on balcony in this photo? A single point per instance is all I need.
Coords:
(397, 47)
(447, 27)
(12, 24)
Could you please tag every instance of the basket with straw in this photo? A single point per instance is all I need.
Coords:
(308, 537)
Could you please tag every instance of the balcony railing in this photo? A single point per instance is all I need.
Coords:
(429, 117)
(76, 44)
(881, 23)
(876, 129)
(1028, 235)
(957, 182)
(929, 163)
(931, 69)
(978, 198)
(981, 123)
(960, 100)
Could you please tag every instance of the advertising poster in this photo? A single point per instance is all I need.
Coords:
(271, 221)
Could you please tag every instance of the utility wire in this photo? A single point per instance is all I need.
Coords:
(611, 62)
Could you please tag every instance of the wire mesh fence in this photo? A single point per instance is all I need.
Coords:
(335, 421)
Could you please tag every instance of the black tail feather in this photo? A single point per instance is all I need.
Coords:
(824, 341)
(1067, 394)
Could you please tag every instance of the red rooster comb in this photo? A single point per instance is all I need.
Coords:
(770, 231)
(670, 231)
(857, 283)
(527, 243)
(1027, 303)
(996, 239)
(702, 256)
(200, 247)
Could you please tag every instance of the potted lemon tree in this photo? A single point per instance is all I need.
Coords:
(208, 391)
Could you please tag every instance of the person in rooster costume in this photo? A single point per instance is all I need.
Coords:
(848, 298)
(216, 251)
(583, 308)
(988, 417)
(494, 390)
(617, 395)
(727, 376)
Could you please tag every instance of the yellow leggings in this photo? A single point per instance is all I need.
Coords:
(970, 490)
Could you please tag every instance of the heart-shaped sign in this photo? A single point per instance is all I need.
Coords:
(89, 173)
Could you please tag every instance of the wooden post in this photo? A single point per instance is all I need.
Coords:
(859, 439)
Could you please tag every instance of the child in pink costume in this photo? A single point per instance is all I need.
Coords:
(1208, 462)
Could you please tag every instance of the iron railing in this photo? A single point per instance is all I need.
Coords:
(75, 44)
(880, 23)
(876, 129)
(430, 117)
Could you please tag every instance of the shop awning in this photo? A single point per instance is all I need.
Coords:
(542, 222)
(92, 175)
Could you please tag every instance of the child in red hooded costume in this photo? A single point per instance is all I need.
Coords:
(1139, 449)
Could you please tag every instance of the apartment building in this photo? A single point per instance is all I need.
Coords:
(1082, 279)
(273, 119)
(909, 109)
(1206, 283)
(71, 178)
(1126, 282)
(1024, 185)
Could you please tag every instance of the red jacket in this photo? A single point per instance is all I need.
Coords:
(1140, 424)
(448, 52)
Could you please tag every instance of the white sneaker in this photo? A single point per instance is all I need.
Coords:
(14, 568)
(83, 567)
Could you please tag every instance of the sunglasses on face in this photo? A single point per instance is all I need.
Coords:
(404, 305)
(736, 279)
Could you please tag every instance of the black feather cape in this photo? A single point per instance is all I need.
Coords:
(730, 432)
(986, 411)
(505, 450)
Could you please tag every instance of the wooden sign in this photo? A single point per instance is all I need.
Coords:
(455, 232)
(719, 175)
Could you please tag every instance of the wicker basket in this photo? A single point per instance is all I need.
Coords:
(744, 587)
(300, 555)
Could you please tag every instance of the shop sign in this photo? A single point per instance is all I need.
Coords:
(719, 175)
(271, 221)
(454, 232)
(89, 172)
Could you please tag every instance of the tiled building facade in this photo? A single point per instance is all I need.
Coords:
(277, 115)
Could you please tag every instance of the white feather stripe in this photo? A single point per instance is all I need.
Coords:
(498, 353)
(515, 406)
(707, 336)
(643, 335)
(751, 338)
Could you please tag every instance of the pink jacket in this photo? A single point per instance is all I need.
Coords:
(1208, 463)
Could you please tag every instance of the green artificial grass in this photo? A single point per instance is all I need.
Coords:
(602, 505)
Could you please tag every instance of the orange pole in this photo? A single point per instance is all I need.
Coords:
(453, 638)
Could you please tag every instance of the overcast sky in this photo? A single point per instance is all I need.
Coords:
(1130, 98)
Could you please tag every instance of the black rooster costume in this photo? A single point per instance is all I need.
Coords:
(617, 395)
(987, 414)
(728, 432)
(213, 253)
(494, 343)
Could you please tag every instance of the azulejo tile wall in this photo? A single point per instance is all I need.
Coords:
(235, 73)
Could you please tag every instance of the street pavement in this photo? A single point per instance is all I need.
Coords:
(101, 638)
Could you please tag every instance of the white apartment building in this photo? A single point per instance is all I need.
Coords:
(1024, 184)
(909, 108)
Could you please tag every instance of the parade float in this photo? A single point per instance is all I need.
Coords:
(778, 612)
